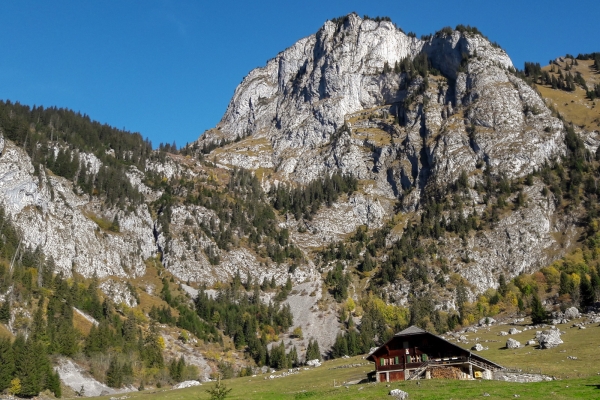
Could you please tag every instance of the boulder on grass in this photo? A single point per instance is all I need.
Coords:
(314, 363)
(399, 394)
(477, 347)
(186, 384)
(513, 331)
(486, 321)
(512, 344)
(572, 313)
(549, 338)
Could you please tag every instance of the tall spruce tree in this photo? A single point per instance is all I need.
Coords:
(538, 312)
(114, 376)
(7, 363)
(312, 350)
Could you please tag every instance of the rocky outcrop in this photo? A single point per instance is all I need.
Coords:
(49, 215)
(308, 109)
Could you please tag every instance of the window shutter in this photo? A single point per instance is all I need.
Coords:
(382, 361)
(396, 360)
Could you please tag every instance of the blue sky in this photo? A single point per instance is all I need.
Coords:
(167, 69)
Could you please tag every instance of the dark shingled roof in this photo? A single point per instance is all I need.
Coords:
(410, 330)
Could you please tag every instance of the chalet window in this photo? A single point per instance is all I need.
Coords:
(405, 345)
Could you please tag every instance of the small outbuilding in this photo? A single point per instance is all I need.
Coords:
(415, 353)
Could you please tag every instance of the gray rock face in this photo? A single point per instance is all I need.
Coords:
(48, 214)
(512, 344)
(313, 95)
(324, 104)
(549, 338)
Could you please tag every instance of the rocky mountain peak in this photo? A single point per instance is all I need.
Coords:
(349, 97)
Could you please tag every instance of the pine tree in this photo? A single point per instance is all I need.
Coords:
(219, 391)
(566, 284)
(26, 366)
(352, 339)
(152, 353)
(312, 350)
(367, 264)
(53, 383)
(502, 287)
(538, 313)
(7, 361)
(5, 312)
(587, 292)
(114, 376)
(38, 329)
(293, 357)
(340, 347)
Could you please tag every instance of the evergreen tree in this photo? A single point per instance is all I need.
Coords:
(5, 312)
(219, 391)
(27, 370)
(586, 291)
(7, 363)
(502, 287)
(176, 368)
(293, 357)
(367, 264)
(312, 350)
(538, 313)
(566, 285)
(340, 347)
(38, 328)
(152, 355)
(595, 281)
(53, 383)
(353, 342)
(114, 375)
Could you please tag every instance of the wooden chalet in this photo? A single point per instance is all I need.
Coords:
(417, 354)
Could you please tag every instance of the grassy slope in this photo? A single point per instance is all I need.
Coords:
(574, 106)
(578, 378)
(318, 384)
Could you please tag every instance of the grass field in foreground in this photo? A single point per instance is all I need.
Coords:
(318, 383)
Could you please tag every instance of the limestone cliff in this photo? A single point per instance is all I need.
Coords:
(337, 101)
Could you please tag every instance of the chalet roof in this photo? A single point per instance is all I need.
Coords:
(411, 330)
(415, 330)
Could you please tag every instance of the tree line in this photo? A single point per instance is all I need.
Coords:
(55, 138)
(305, 201)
